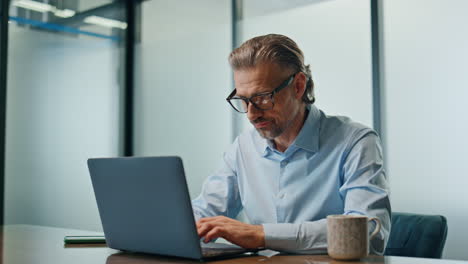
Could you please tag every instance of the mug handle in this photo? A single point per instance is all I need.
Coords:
(377, 227)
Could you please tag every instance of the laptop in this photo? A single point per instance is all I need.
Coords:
(144, 205)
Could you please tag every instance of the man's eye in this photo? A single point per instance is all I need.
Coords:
(264, 99)
(258, 100)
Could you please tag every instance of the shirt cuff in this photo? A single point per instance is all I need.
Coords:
(280, 236)
(299, 238)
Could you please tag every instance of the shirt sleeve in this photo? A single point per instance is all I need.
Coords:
(302, 238)
(365, 192)
(220, 192)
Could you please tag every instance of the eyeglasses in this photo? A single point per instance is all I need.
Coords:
(261, 101)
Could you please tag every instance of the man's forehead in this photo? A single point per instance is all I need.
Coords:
(249, 84)
(247, 76)
(261, 78)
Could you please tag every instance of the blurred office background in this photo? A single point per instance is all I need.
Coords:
(152, 76)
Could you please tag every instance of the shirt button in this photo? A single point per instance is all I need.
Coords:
(284, 163)
(281, 196)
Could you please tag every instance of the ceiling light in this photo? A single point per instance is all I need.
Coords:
(64, 13)
(42, 7)
(105, 22)
(33, 5)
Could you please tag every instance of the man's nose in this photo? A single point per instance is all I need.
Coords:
(253, 112)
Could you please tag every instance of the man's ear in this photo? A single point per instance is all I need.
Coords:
(300, 85)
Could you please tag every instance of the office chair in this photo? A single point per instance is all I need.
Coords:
(414, 235)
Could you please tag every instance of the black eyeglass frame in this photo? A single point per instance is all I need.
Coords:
(248, 100)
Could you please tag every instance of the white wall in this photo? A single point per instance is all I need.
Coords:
(182, 80)
(61, 109)
(425, 73)
(335, 38)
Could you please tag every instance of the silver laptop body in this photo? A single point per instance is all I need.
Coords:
(144, 205)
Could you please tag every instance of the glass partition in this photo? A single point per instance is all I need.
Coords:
(64, 85)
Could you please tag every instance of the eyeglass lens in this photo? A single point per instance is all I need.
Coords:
(263, 102)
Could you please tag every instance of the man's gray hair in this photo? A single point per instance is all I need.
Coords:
(277, 49)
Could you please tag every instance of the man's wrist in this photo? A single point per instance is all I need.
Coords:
(260, 236)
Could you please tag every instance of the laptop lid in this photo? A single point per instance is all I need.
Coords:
(144, 205)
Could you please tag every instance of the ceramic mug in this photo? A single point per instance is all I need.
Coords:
(348, 236)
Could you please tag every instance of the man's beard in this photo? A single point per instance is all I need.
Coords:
(270, 133)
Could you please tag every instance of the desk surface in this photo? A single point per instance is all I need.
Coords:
(36, 244)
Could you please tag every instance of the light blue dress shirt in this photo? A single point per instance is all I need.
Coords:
(334, 166)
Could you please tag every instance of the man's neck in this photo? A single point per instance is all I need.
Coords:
(283, 141)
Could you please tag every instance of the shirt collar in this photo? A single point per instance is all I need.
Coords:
(308, 137)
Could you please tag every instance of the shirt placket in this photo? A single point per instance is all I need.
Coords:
(282, 195)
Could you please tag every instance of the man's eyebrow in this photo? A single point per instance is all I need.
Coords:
(258, 93)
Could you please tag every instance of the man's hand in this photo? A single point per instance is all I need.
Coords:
(244, 235)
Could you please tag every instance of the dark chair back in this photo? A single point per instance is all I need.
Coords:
(414, 235)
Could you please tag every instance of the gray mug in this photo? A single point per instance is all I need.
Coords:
(348, 236)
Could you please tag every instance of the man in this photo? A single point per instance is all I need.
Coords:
(296, 167)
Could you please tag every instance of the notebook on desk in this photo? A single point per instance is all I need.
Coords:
(144, 205)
